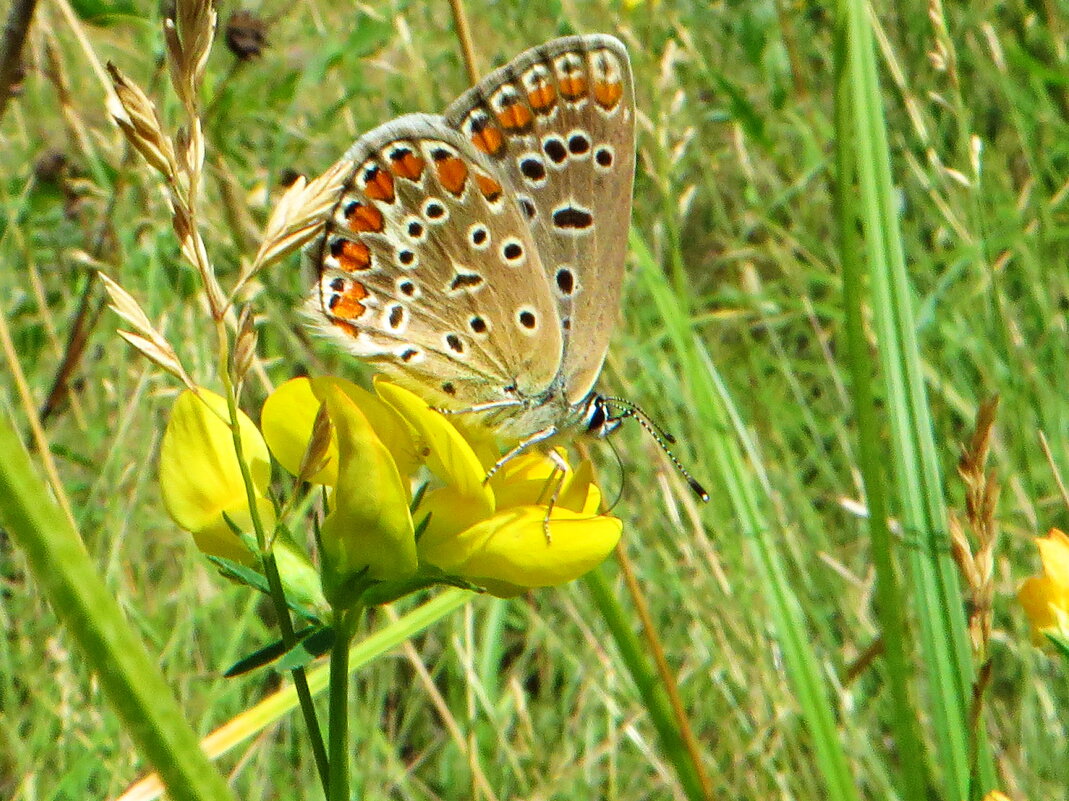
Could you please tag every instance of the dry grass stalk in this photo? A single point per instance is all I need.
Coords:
(136, 115)
(298, 216)
(244, 346)
(981, 499)
(189, 38)
(145, 337)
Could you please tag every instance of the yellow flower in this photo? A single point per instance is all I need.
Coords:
(201, 482)
(1045, 598)
(200, 477)
(490, 533)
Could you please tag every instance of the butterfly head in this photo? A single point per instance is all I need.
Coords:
(598, 420)
(603, 415)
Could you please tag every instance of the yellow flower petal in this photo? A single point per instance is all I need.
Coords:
(200, 477)
(511, 547)
(450, 513)
(290, 411)
(287, 418)
(1054, 551)
(448, 454)
(370, 526)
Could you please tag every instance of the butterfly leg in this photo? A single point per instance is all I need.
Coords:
(556, 478)
(534, 439)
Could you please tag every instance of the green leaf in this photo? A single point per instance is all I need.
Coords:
(264, 656)
(309, 649)
(104, 12)
(250, 577)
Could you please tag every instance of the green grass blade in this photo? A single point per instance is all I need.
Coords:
(724, 424)
(943, 642)
(127, 674)
(890, 601)
(633, 653)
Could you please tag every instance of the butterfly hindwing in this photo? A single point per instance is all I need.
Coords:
(558, 122)
(427, 268)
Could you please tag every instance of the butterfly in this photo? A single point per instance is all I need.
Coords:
(477, 257)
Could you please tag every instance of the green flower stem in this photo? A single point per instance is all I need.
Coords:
(127, 674)
(270, 568)
(300, 679)
(653, 694)
(338, 704)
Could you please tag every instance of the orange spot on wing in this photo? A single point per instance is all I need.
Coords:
(409, 165)
(572, 87)
(542, 99)
(363, 217)
(516, 117)
(490, 188)
(379, 184)
(453, 173)
(347, 305)
(608, 94)
(354, 256)
(348, 328)
(489, 140)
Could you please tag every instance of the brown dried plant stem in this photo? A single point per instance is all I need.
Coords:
(664, 671)
(467, 49)
(16, 27)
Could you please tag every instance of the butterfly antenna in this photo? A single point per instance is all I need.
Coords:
(662, 437)
(634, 410)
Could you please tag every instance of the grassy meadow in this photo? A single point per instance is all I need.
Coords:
(845, 240)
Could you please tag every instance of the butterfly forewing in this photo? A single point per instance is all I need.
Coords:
(558, 123)
(428, 269)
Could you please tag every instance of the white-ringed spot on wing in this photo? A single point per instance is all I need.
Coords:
(553, 147)
(464, 281)
(411, 355)
(527, 320)
(478, 325)
(565, 281)
(396, 317)
(479, 236)
(571, 218)
(533, 169)
(604, 156)
(434, 211)
(566, 324)
(527, 206)
(406, 259)
(454, 343)
(578, 144)
(414, 228)
(512, 252)
(407, 288)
